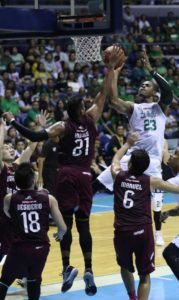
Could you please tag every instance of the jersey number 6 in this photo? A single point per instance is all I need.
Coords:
(128, 202)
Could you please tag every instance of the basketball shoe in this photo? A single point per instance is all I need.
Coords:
(69, 275)
(90, 287)
(158, 238)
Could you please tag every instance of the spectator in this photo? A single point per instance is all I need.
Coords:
(12, 135)
(128, 16)
(63, 56)
(33, 112)
(84, 78)
(26, 76)
(138, 73)
(9, 104)
(72, 82)
(143, 22)
(17, 57)
(116, 142)
(72, 60)
(60, 111)
(49, 65)
(41, 73)
(20, 145)
(94, 88)
(48, 163)
(12, 72)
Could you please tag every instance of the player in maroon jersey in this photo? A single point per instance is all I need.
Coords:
(132, 217)
(74, 191)
(8, 165)
(29, 212)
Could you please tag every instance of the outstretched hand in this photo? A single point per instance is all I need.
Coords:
(42, 118)
(114, 57)
(146, 62)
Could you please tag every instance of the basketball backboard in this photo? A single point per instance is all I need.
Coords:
(90, 17)
(63, 18)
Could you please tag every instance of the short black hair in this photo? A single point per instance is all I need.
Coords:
(140, 161)
(24, 176)
(73, 107)
(18, 140)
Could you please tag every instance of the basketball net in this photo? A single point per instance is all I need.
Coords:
(88, 48)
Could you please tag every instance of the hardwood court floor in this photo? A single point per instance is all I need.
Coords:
(103, 253)
(104, 262)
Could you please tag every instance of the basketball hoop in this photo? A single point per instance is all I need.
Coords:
(88, 48)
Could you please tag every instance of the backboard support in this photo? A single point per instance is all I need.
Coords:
(78, 18)
(98, 17)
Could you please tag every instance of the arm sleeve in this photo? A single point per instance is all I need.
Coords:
(29, 134)
(165, 89)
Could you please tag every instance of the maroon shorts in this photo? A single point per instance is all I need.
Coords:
(5, 234)
(25, 260)
(140, 243)
(74, 189)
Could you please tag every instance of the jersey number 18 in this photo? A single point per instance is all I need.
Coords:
(30, 221)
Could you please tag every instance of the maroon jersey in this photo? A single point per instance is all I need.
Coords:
(29, 211)
(132, 201)
(77, 146)
(7, 182)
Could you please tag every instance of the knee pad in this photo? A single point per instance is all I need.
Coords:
(171, 255)
(157, 200)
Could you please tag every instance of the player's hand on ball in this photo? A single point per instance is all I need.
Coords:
(114, 57)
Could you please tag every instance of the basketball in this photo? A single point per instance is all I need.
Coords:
(121, 58)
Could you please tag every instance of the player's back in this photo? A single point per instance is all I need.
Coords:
(29, 211)
(77, 145)
(149, 121)
(132, 201)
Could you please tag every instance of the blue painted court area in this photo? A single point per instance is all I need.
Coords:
(104, 202)
(163, 288)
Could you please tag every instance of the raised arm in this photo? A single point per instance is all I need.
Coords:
(166, 95)
(123, 107)
(56, 129)
(26, 154)
(116, 166)
(57, 217)
(95, 111)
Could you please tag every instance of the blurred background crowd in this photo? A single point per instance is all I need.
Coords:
(41, 75)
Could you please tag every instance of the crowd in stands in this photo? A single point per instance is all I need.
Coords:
(41, 75)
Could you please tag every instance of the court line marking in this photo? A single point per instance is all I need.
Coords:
(105, 280)
(99, 205)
